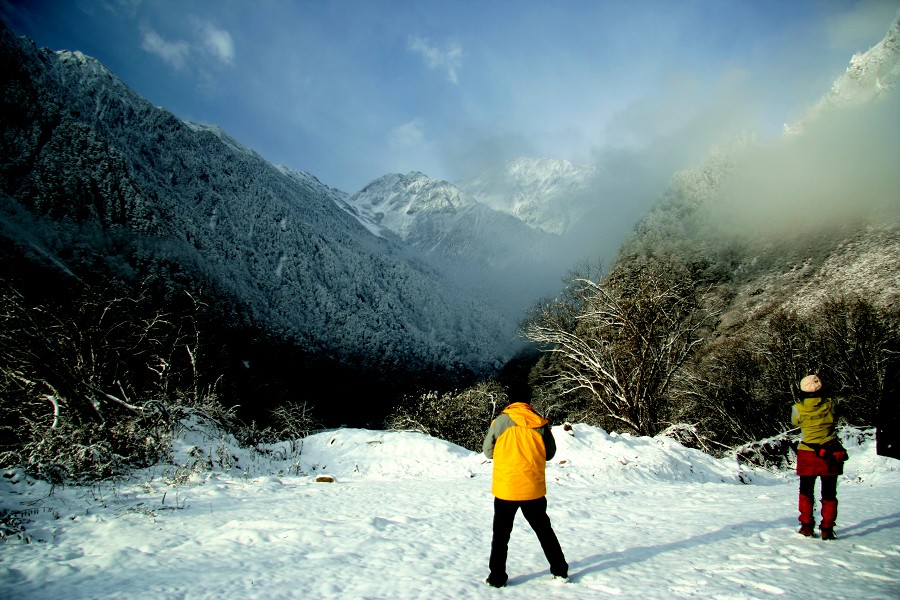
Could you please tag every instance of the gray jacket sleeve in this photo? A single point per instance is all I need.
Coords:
(498, 426)
(488, 445)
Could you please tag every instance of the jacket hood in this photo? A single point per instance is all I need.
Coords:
(524, 415)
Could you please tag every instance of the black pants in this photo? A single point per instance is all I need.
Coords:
(829, 486)
(535, 512)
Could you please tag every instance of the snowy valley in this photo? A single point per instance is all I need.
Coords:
(203, 351)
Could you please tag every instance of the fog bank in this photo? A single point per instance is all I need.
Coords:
(844, 167)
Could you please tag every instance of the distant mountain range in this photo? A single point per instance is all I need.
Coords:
(546, 194)
(489, 249)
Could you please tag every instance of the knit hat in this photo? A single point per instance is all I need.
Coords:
(811, 383)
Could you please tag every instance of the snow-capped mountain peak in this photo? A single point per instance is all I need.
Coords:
(546, 194)
(869, 76)
(392, 204)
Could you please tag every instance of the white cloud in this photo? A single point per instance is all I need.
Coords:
(449, 59)
(408, 135)
(129, 8)
(175, 53)
(208, 41)
(217, 42)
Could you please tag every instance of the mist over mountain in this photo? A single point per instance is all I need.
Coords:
(811, 215)
(546, 194)
(837, 165)
(765, 262)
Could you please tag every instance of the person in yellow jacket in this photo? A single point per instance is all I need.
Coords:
(819, 454)
(521, 442)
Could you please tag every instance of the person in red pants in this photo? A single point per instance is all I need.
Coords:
(521, 442)
(819, 455)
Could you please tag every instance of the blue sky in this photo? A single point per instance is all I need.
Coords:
(352, 90)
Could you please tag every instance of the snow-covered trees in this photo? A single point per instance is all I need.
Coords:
(632, 332)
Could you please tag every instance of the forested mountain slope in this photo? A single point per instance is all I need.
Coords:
(97, 183)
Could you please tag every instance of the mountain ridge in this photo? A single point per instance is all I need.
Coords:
(545, 193)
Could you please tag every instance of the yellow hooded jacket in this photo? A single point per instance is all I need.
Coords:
(816, 419)
(520, 442)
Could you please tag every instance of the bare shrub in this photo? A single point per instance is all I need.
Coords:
(93, 387)
(722, 391)
(459, 417)
(690, 435)
(775, 453)
(294, 420)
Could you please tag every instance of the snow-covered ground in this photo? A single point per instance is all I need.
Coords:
(408, 516)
